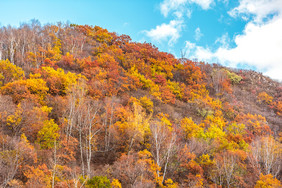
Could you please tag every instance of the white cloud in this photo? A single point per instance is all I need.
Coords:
(175, 5)
(259, 8)
(166, 32)
(260, 44)
(205, 4)
(168, 5)
(189, 48)
(180, 10)
(198, 34)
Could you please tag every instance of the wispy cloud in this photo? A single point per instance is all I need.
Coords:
(168, 6)
(204, 4)
(223, 41)
(171, 5)
(198, 34)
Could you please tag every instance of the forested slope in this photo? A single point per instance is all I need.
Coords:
(84, 107)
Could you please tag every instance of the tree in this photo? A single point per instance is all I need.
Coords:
(221, 82)
(188, 168)
(58, 81)
(255, 124)
(87, 126)
(191, 129)
(9, 72)
(264, 97)
(134, 125)
(16, 154)
(39, 176)
(136, 169)
(235, 79)
(48, 135)
(227, 169)
(265, 156)
(163, 142)
(267, 181)
(32, 88)
(98, 182)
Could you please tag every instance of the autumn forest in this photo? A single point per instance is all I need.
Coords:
(84, 107)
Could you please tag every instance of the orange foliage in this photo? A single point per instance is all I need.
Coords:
(267, 181)
(264, 97)
(255, 124)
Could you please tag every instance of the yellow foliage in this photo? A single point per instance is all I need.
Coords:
(161, 68)
(267, 181)
(58, 78)
(236, 128)
(214, 126)
(149, 84)
(146, 156)
(134, 123)
(215, 104)
(190, 128)
(146, 103)
(215, 120)
(15, 120)
(146, 83)
(22, 88)
(165, 121)
(231, 145)
(38, 87)
(37, 75)
(54, 52)
(264, 97)
(139, 121)
(205, 160)
(9, 72)
(176, 88)
(214, 132)
(170, 184)
(32, 58)
(46, 109)
(116, 184)
(48, 135)
(1, 78)
(235, 79)
(155, 91)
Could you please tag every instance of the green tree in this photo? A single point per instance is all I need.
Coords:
(98, 182)
(48, 135)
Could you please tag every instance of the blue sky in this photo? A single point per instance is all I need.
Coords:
(236, 33)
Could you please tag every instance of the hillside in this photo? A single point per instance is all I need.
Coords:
(84, 107)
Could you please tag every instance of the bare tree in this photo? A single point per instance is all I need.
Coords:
(266, 156)
(163, 141)
(225, 169)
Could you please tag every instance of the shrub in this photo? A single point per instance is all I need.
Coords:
(98, 182)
